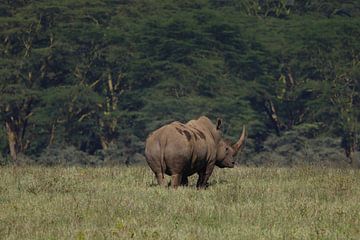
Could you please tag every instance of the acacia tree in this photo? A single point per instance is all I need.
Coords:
(40, 80)
(92, 73)
(347, 100)
(18, 80)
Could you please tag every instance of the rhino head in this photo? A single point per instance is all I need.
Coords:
(226, 151)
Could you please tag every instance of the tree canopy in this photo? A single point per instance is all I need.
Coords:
(95, 73)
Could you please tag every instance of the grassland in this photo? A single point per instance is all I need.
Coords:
(124, 203)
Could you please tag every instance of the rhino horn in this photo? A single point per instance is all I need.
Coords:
(240, 142)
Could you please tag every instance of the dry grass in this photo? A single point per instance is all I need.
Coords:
(123, 203)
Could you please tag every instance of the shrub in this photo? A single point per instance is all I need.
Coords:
(66, 155)
(127, 152)
(298, 146)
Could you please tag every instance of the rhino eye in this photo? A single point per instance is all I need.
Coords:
(227, 148)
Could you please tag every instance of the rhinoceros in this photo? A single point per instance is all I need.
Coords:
(180, 150)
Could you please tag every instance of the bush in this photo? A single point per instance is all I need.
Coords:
(297, 147)
(66, 155)
(128, 152)
(3, 161)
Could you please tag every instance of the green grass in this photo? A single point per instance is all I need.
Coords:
(123, 203)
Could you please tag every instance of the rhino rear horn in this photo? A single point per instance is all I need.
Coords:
(237, 146)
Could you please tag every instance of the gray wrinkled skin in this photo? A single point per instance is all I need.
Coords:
(180, 150)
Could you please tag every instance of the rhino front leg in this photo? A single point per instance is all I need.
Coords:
(204, 176)
(184, 180)
(200, 179)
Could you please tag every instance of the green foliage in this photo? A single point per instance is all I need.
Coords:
(295, 147)
(66, 156)
(3, 142)
(97, 73)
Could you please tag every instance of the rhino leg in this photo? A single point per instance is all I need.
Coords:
(175, 180)
(204, 176)
(184, 180)
(160, 179)
(202, 183)
(200, 179)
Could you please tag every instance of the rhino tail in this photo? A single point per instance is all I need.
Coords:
(162, 164)
(162, 160)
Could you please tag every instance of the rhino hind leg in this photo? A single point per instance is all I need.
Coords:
(175, 180)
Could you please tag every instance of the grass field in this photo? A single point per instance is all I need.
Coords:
(124, 203)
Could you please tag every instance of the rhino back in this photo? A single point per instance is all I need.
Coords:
(186, 148)
(207, 127)
(172, 142)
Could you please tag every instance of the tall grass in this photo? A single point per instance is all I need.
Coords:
(124, 203)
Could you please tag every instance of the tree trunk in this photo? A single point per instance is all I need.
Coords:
(13, 140)
(108, 126)
(349, 152)
(271, 111)
(104, 143)
(349, 145)
(52, 135)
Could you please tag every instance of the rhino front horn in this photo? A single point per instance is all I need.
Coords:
(237, 146)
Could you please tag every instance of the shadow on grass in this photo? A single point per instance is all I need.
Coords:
(192, 185)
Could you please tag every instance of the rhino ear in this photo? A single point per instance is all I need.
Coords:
(218, 123)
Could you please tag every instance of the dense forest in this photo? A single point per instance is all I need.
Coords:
(85, 81)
